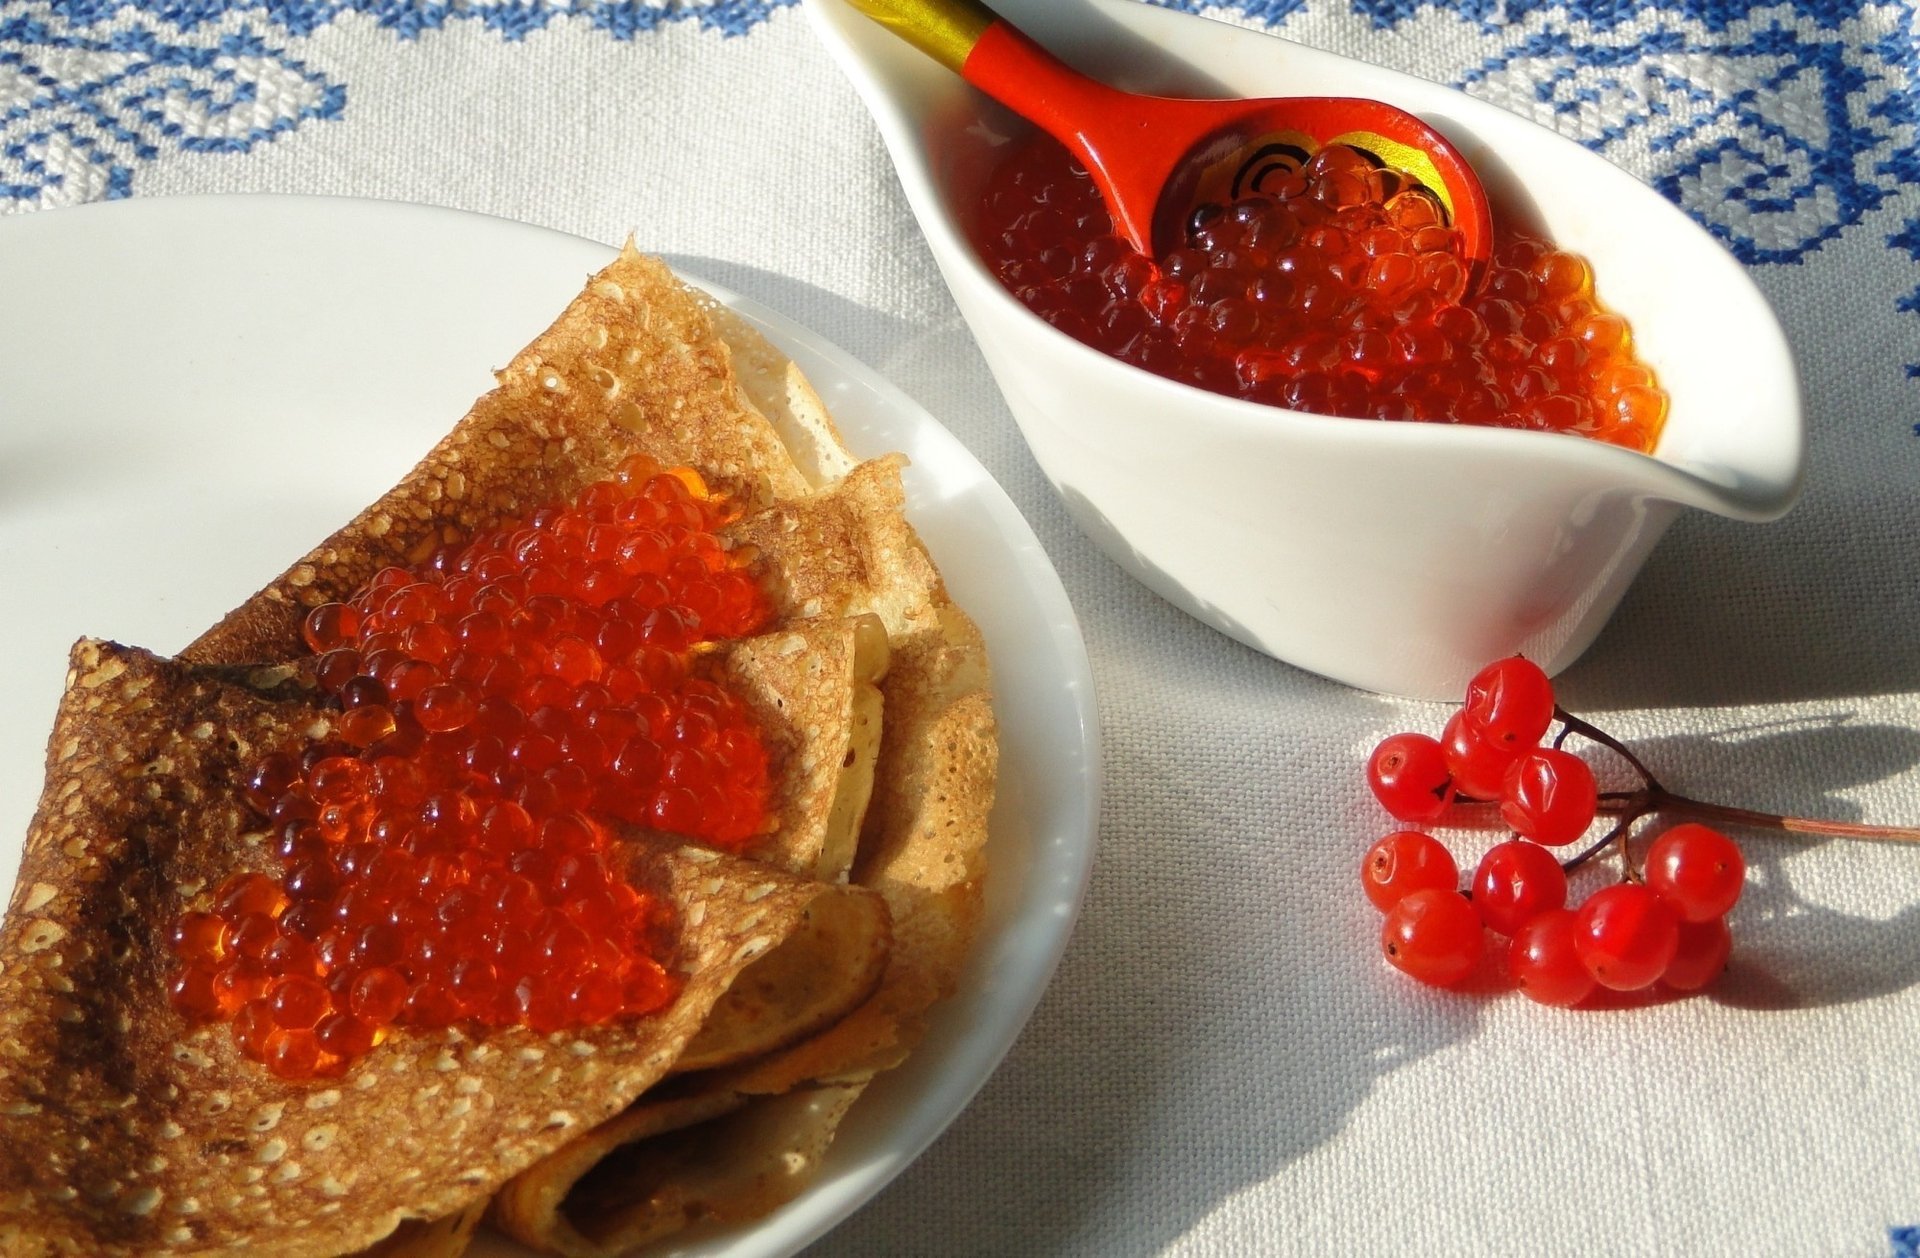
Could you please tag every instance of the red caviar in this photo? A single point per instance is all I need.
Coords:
(1337, 288)
(447, 856)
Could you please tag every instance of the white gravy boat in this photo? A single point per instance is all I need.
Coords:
(1398, 557)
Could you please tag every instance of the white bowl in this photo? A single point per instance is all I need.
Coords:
(1398, 557)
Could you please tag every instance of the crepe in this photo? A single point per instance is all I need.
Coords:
(123, 1129)
(439, 1238)
(813, 691)
(713, 1155)
(922, 848)
(870, 690)
(633, 366)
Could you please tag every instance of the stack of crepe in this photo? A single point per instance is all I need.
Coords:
(810, 960)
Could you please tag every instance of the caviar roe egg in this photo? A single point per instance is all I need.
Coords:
(1337, 288)
(447, 854)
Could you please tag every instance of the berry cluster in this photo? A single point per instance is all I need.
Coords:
(1337, 288)
(448, 856)
(1665, 925)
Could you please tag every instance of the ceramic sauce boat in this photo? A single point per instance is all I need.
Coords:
(1397, 557)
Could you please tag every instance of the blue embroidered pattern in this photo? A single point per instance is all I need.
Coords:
(512, 19)
(1908, 239)
(1906, 1240)
(1778, 124)
(1776, 128)
(1712, 15)
(77, 110)
(1775, 140)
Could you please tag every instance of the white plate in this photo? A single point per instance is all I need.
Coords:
(194, 391)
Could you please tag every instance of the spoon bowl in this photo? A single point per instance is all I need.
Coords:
(1397, 557)
(1157, 158)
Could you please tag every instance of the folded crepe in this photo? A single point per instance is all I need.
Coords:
(633, 366)
(871, 692)
(125, 1129)
(739, 1141)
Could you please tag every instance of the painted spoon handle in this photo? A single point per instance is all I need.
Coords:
(945, 30)
(1099, 124)
(992, 54)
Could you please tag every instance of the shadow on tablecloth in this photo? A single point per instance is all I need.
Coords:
(1792, 948)
(1822, 604)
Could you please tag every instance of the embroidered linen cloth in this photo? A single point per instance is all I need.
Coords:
(1223, 1064)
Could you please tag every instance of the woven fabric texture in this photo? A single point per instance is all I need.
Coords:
(1223, 1065)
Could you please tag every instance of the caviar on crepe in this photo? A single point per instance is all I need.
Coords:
(446, 858)
(1663, 924)
(1338, 289)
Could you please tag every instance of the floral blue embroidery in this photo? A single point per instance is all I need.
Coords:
(1713, 15)
(1269, 12)
(1775, 137)
(1908, 240)
(1776, 133)
(512, 19)
(1906, 1240)
(1778, 124)
(79, 108)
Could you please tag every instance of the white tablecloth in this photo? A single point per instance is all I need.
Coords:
(1223, 1064)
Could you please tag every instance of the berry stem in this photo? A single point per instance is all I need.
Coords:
(1630, 806)
(1663, 800)
(1573, 724)
(1597, 846)
(1629, 871)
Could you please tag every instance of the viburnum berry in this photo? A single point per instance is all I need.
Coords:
(1516, 882)
(1545, 962)
(1626, 936)
(1549, 796)
(1699, 956)
(1434, 936)
(1404, 862)
(1408, 774)
(1698, 870)
(1510, 702)
(1664, 923)
(1478, 764)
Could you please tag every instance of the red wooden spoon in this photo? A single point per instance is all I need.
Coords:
(1156, 158)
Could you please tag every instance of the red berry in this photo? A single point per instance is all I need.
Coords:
(1626, 936)
(1545, 960)
(1697, 870)
(1549, 796)
(1700, 955)
(1405, 862)
(1478, 765)
(1511, 702)
(1408, 774)
(1434, 936)
(1516, 882)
